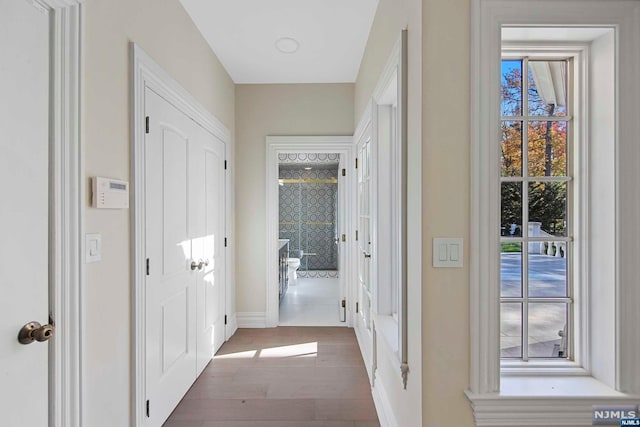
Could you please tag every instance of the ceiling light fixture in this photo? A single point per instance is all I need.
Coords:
(287, 45)
(308, 169)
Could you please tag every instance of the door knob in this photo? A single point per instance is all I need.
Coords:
(34, 331)
(197, 265)
(366, 254)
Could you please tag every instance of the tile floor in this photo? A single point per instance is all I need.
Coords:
(282, 377)
(312, 302)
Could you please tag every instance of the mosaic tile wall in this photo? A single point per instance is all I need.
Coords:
(308, 217)
(308, 158)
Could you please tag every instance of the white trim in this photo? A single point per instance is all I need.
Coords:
(396, 248)
(254, 319)
(68, 212)
(383, 406)
(232, 325)
(146, 73)
(275, 145)
(487, 18)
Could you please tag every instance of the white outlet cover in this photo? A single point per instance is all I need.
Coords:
(93, 248)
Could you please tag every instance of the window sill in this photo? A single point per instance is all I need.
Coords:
(544, 401)
(387, 328)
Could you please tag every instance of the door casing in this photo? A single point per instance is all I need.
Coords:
(146, 73)
(342, 145)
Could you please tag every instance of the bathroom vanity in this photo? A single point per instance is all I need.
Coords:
(283, 266)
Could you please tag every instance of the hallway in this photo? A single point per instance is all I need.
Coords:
(282, 377)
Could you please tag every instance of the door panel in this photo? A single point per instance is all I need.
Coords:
(170, 285)
(364, 260)
(211, 281)
(24, 210)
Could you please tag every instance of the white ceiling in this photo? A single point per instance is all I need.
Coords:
(332, 35)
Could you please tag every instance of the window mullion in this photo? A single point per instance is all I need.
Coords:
(525, 210)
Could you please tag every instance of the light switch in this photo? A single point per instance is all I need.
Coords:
(93, 248)
(454, 252)
(442, 252)
(447, 252)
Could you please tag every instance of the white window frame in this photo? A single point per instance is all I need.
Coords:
(389, 205)
(577, 202)
(541, 398)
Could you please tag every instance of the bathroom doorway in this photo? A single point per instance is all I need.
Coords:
(309, 228)
(309, 220)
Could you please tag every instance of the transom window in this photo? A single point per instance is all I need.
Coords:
(536, 230)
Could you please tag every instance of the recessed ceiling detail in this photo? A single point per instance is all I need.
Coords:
(287, 45)
(328, 38)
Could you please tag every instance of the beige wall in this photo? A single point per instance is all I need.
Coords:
(446, 196)
(165, 32)
(262, 110)
(391, 17)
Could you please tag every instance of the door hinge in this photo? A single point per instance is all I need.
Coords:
(356, 235)
(148, 266)
(225, 165)
(225, 319)
(356, 163)
(344, 237)
(357, 307)
(344, 172)
(344, 303)
(146, 124)
(225, 242)
(147, 408)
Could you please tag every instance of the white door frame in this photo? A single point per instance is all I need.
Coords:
(342, 145)
(67, 211)
(146, 73)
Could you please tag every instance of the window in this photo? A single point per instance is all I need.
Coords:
(536, 215)
(595, 233)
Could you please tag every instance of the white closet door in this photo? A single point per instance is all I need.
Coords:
(24, 210)
(171, 283)
(207, 199)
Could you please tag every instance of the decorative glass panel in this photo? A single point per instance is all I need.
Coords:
(547, 88)
(547, 330)
(511, 155)
(511, 330)
(511, 102)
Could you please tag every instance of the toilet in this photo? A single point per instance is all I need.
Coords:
(294, 264)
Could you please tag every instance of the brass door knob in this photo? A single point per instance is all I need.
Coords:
(34, 331)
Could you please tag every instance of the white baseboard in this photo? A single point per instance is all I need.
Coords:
(248, 319)
(232, 326)
(383, 406)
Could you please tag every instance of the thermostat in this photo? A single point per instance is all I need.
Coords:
(110, 193)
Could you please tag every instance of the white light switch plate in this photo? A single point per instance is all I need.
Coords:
(93, 248)
(447, 252)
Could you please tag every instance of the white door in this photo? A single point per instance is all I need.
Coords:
(364, 261)
(206, 230)
(171, 281)
(24, 211)
(185, 246)
(341, 231)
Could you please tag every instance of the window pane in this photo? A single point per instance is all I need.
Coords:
(511, 209)
(511, 102)
(547, 273)
(547, 148)
(547, 209)
(511, 148)
(547, 88)
(511, 330)
(511, 269)
(547, 330)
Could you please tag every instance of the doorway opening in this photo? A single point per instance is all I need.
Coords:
(309, 233)
(310, 190)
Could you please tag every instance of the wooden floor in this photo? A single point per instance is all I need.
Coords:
(282, 377)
